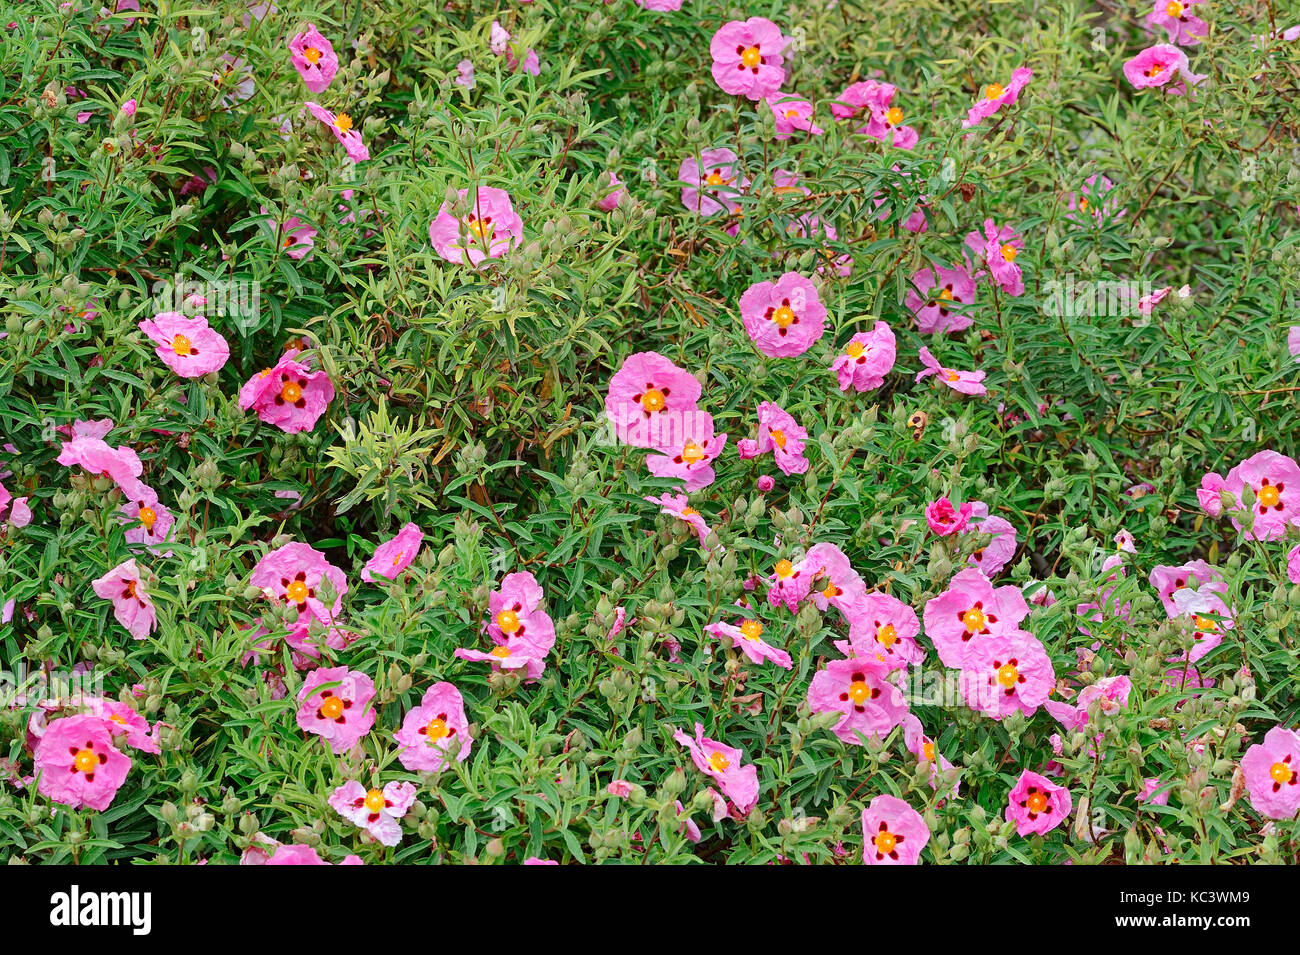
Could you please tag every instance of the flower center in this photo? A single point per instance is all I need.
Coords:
(690, 512)
(751, 629)
(994, 91)
(1009, 253)
(894, 116)
(1204, 623)
(855, 349)
(1280, 772)
(181, 345)
(783, 316)
(784, 569)
(508, 621)
(719, 762)
(974, 620)
(751, 57)
(501, 652)
(436, 730)
(715, 178)
(291, 392)
(692, 452)
(85, 761)
(481, 229)
(778, 436)
(791, 114)
(946, 295)
(147, 517)
(1083, 204)
(859, 692)
(398, 559)
(332, 708)
(343, 123)
(1155, 69)
(1267, 495)
(653, 400)
(311, 55)
(375, 800)
(1008, 675)
(887, 635)
(1037, 803)
(928, 750)
(1174, 9)
(953, 376)
(885, 842)
(296, 591)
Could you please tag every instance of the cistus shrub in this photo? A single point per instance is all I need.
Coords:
(649, 431)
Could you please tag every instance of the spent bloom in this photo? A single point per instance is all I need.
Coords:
(747, 57)
(435, 732)
(783, 318)
(867, 359)
(188, 346)
(289, 394)
(375, 810)
(334, 703)
(1000, 549)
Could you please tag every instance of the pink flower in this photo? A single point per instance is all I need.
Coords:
(312, 55)
(676, 505)
(1272, 770)
(465, 74)
(828, 568)
(121, 720)
(1112, 691)
(294, 574)
(489, 229)
(1036, 805)
(394, 555)
(1210, 617)
(971, 612)
(435, 732)
(997, 553)
(791, 584)
(297, 238)
(1274, 480)
(1169, 580)
(783, 318)
(712, 182)
(722, 763)
(1093, 200)
(620, 788)
(78, 765)
(859, 689)
(1292, 564)
(779, 433)
(651, 402)
(999, 248)
(520, 628)
(748, 638)
(340, 713)
(341, 126)
(874, 99)
(766, 482)
(288, 395)
(792, 113)
(1293, 341)
(866, 359)
(1149, 786)
(945, 519)
(883, 628)
(147, 521)
(188, 346)
(131, 604)
(893, 833)
(925, 750)
(609, 202)
(932, 299)
(963, 382)
(1159, 65)
(1012, 672)
(996, 96)
(121, 464)
(375, 810)
(691, 455)
(747, 58)
(129, 107)
(1180, 26)
(304, 855)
